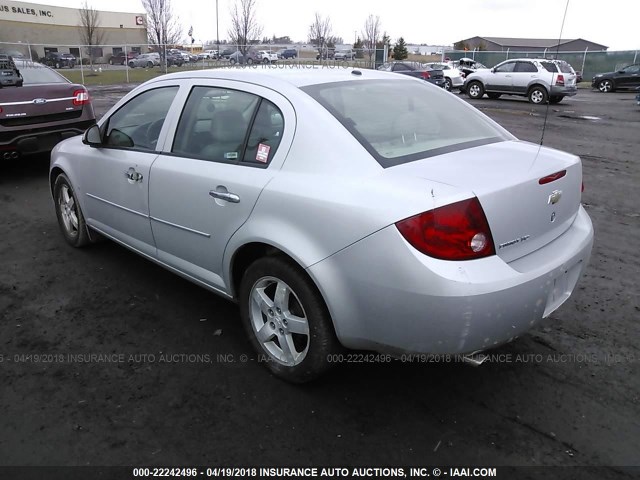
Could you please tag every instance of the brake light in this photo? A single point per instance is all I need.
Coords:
(458, 231)
(426, 75)
(560, 80)
(552, 178)
(81, 97)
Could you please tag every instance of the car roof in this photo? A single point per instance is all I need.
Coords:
(272, 76)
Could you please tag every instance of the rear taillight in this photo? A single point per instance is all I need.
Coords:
(425, 75)
(560, 80)
(81, 97)
(552, 178)
(458, 231)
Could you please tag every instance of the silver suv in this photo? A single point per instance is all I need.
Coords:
(538, 79)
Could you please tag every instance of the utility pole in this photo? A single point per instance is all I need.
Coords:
(217, 30)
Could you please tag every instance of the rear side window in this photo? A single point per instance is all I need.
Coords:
(223, 125)
(402, 121)
(550, 67)
(525, 67)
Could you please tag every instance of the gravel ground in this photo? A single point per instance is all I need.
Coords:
(176, 389)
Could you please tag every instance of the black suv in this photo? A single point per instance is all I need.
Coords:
(627, 77)
(59, 60)
(288, 53)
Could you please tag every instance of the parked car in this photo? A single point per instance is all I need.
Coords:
(9, 74)
(208, 55)
(344, 55)
(539, 80)
(227, 52)
(287, 53)
(415, 69)
(626, 77)
(189, 57)
(267, 56)
(174, 59)
(327, 54)
(453, 77)
(38, 108)
(59, 60)
(436, 236)
(469, 66)
(145, 60)
(120, 59)
(250, 58)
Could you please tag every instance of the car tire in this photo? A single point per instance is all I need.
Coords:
(265, 60)
(132, 65)
(110, 61)
(57, 65)
(249, 61)
(606, 86)
(555, 98)
(149, 64)
(70, 218)
(494, 96)
(297, 351)
(232, 61)
(538, 95)
(448, 86)
(475, 90)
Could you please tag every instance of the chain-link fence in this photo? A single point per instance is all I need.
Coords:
(589, 63)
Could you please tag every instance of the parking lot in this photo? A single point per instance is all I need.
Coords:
(107, 359)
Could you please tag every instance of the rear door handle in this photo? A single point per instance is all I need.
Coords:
(227, 196)
(133, 176)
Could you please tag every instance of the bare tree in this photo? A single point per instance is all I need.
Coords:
(163, 27)
(371, 36)
(90, 32)
(244, 25)
(320, 33)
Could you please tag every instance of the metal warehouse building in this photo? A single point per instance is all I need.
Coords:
(35, 29)
(497, 44)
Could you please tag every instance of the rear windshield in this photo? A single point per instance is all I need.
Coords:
(401, 121)
(35, 73)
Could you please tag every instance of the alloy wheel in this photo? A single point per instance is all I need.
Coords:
(68, 210)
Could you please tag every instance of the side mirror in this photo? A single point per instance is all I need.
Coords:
(493, 70)
(92, 136)
(621, 71)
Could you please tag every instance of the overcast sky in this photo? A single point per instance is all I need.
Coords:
(434, 22)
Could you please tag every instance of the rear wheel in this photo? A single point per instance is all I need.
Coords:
(111, 61)
(555, 98)
(606, 86)
(286, 319)
(537, 95)
(69, 215)
(149, 64)
(494, 96)
(232, 61)
(265, 60)
(475, 90)
(447, 84)
(250, 61)
(132, 65)
(57, 65)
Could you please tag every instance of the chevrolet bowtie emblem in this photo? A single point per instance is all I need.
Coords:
(555, 197)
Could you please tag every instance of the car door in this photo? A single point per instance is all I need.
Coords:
(523, 74)
(630, 77)
(116, 177)
(229, 142)
(500, 78)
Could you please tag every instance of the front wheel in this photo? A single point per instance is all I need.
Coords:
(69, 215)
(149, 64)
(57, 65)
(232, 61)
(250, 61)
(606, 86)
(286, 319)
(265, 60)
(537, 95)
(132, 65)
(110, 62)
(448, 86)
(475, 90)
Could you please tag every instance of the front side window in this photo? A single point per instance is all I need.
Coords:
(401, 123)
(138, 123)
(506, 67)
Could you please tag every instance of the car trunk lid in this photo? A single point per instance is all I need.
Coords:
(41, 104)
(525, 205)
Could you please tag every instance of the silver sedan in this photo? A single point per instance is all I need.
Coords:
(339, 208)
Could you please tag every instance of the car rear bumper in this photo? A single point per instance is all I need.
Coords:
(32, 141)
(563, 91)
(384, 295)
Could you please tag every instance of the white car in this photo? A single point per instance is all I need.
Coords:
(453, 77)
(409, 231)
(267, 56)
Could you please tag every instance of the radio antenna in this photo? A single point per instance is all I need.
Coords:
(546, 114)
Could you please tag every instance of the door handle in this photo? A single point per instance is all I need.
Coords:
(133, 176)
(227, 196)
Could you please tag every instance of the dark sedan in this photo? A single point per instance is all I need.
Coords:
(627, 77)
(39, 111)
(59, 60)
(415, 69)
(119, 58)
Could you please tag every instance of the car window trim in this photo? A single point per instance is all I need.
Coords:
(105, 125)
